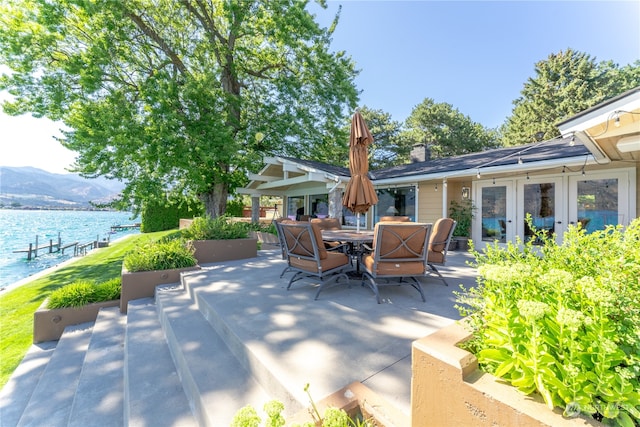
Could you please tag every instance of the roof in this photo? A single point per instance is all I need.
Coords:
(553, 149)
(335, 170)
(599, 106)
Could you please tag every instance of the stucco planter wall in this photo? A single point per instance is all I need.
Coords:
(142, 284)
(49, 324)
(264, 237)
(448, 389)
(208, 251)
(354, 398)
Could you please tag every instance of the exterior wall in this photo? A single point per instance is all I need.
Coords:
(430, 199)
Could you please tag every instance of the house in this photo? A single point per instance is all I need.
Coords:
(589, 175)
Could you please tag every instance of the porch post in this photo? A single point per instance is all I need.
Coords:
(335, 203)
(255, 209)
(444, 198)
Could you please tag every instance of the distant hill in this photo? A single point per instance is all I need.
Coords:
(32, 187)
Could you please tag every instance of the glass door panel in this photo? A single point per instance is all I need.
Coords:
(493, 213)
(540, 203)
(597, 203)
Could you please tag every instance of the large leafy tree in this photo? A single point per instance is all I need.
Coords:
(177, 95)
(446, 130)
(564, 84)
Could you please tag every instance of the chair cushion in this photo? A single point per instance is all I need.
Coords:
(439, 235)
(331, 261)
(394, 218)
(406, 268)
(327, 223)
(391, 238)
(305, 246)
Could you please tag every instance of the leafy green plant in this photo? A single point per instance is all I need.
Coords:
(83, 292)
(462, 212)
(333, 417)
(563, 320)
(220, 228)
(161, 255)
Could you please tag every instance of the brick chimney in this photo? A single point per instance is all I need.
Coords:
(420, 153)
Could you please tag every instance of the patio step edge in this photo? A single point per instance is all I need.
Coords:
(17, 392)
(98, 399)
(53, 396)
(215, 382)
(153, 392)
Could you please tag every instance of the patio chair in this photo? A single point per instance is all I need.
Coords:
(308, 258)
(277, 222)
(399, 251)
(331, 224)
(439, 244)
(395, 219)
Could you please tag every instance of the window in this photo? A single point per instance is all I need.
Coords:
(396, 202)
(295, 207)
(319, 205)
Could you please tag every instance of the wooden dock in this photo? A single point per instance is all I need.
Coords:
(115, 228)
(55, 247)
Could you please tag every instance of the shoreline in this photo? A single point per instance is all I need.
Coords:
(51, 269)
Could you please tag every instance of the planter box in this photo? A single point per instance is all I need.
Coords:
(264, 237)
(356, 398)
(208, 251)
(448, 389)
(142, 284)
(49, 324)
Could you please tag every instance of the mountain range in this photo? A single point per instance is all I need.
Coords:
(29, 187)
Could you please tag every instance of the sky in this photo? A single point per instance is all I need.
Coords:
(474, 55)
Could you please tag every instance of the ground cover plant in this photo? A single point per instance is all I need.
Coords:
(332, 417)
(83, 292)
(168, 253)
(220, 228)
(563, 320)
(18, 305)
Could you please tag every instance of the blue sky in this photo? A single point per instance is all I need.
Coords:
(473, 55)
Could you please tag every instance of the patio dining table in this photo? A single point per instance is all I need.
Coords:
(356, 239)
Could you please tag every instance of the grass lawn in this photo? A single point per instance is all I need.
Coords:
(18, 305)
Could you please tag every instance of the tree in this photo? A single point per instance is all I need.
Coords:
(564, 84)
(177, 96)
(387, 147)
(447, 131)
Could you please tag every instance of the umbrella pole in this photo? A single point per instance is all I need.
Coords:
(358, 222)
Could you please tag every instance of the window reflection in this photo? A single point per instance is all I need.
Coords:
(399, 201)
(494, 214)
(598, 203)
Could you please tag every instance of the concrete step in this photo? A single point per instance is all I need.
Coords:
(98, 399)
(16, 393)
(153, 393)
(215, 381)
(51, 401)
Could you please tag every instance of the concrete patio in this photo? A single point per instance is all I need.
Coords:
(227, 336)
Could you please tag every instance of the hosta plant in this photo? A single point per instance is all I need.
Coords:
(563, 320)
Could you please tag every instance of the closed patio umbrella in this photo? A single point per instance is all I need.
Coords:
(359, 195)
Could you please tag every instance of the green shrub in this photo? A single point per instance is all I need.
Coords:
(160, 215)
(235, 207)
(220, 228)
(109, 290)
(83, 292)
(563, 320)
(162, 255)
(462, 212)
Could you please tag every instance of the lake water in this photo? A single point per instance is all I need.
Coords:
(18, 228)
